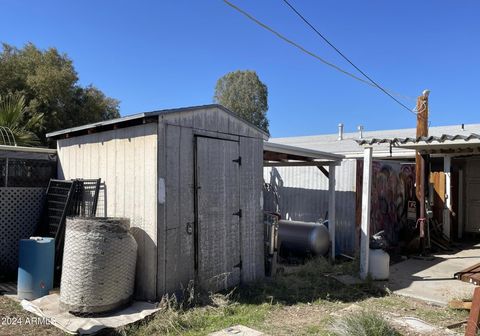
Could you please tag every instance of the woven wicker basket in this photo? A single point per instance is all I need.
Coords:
(98, 272)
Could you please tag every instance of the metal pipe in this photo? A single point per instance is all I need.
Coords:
(340, 131)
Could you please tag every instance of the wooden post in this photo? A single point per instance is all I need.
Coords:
(422, 131)
(472, 325)
(447, 210)
(366, 205)
(460, 204)
(331, 209)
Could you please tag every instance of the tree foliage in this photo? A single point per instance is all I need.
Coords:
(14, 123)
(244, 93)
(49, 83)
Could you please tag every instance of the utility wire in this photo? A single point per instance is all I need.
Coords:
(298, 46)
(345, 57)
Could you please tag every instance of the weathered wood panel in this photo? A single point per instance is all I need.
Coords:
(251, 181)
(125, 159)
(179, 263)
(213, 120)
(218, 201)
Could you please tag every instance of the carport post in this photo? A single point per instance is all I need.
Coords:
(366, 205)
(331, 208)
(447, 163)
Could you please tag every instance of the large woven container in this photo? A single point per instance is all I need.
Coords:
(98, 272)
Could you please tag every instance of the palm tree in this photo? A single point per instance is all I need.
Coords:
(12, 121)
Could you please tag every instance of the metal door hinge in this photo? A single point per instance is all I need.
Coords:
(239, 160)
(238, 213)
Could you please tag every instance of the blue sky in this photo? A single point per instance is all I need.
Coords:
(162, 54)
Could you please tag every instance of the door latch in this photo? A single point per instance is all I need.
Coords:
(189, 228)
(239, 160)
(238, 213)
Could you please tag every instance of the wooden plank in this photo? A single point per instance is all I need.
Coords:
(458, 304)
(186, 211)
(251, 151)
(172, 256)
(460, 204)
(150, 202)
(172, 180)
(473, 318)
(366, 204)
(161, 210)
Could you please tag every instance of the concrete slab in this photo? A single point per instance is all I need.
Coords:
(432, 280)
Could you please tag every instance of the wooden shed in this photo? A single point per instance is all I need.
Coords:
(190, 180)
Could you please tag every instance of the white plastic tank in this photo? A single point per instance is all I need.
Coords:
(379, 264)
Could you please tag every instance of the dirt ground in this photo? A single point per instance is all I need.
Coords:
(15, 321)
(305, 302)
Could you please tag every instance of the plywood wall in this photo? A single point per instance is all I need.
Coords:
(126, 161)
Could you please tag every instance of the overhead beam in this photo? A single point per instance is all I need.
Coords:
(299, 164)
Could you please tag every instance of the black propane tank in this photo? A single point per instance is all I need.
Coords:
(303, 238)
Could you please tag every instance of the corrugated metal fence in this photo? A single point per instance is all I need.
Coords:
(303, 196)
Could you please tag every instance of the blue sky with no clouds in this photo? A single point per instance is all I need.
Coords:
(161, 54)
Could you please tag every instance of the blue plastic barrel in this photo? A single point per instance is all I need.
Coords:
(35, 267)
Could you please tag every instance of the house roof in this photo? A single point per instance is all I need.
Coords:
(350, 148)
(139, 118)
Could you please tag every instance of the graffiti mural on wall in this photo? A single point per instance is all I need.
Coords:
(393, 185)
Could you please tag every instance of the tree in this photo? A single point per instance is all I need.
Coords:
(49, 83)
(242, 92)
(12, 121)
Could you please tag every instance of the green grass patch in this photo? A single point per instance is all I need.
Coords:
(362, 323)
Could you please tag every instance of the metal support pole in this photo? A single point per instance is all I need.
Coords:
(447, 210)
(366, 205)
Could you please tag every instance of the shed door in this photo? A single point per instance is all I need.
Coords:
(218, 218)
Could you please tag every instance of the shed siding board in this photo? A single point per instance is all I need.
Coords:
(120, 172)
(303, 196)
(251, 151)
(162, 212)
(186, 215)
(179, 206)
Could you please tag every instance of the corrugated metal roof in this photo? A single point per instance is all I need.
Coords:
(350, 148)
(426, 139)
(146, 115)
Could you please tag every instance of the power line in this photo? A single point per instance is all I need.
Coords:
(345, 57)
(301, 48)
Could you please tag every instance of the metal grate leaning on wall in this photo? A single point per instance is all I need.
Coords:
(20, 211)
